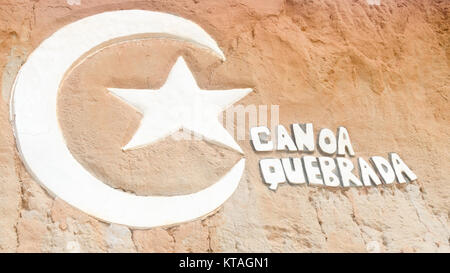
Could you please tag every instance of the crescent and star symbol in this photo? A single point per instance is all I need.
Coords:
(179, 103)
(183, 105)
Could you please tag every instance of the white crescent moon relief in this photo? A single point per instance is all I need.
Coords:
(41, 143)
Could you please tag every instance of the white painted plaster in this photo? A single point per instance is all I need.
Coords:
(41, 143)
(180, 103)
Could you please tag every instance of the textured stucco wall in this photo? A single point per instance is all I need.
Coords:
(382, 71)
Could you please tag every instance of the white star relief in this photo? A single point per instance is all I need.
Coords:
(178, 104)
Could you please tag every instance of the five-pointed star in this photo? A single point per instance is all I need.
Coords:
(178, 104)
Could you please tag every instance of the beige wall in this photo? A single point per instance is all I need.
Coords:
(380, 71)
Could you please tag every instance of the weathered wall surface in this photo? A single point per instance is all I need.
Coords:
(382, 71)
